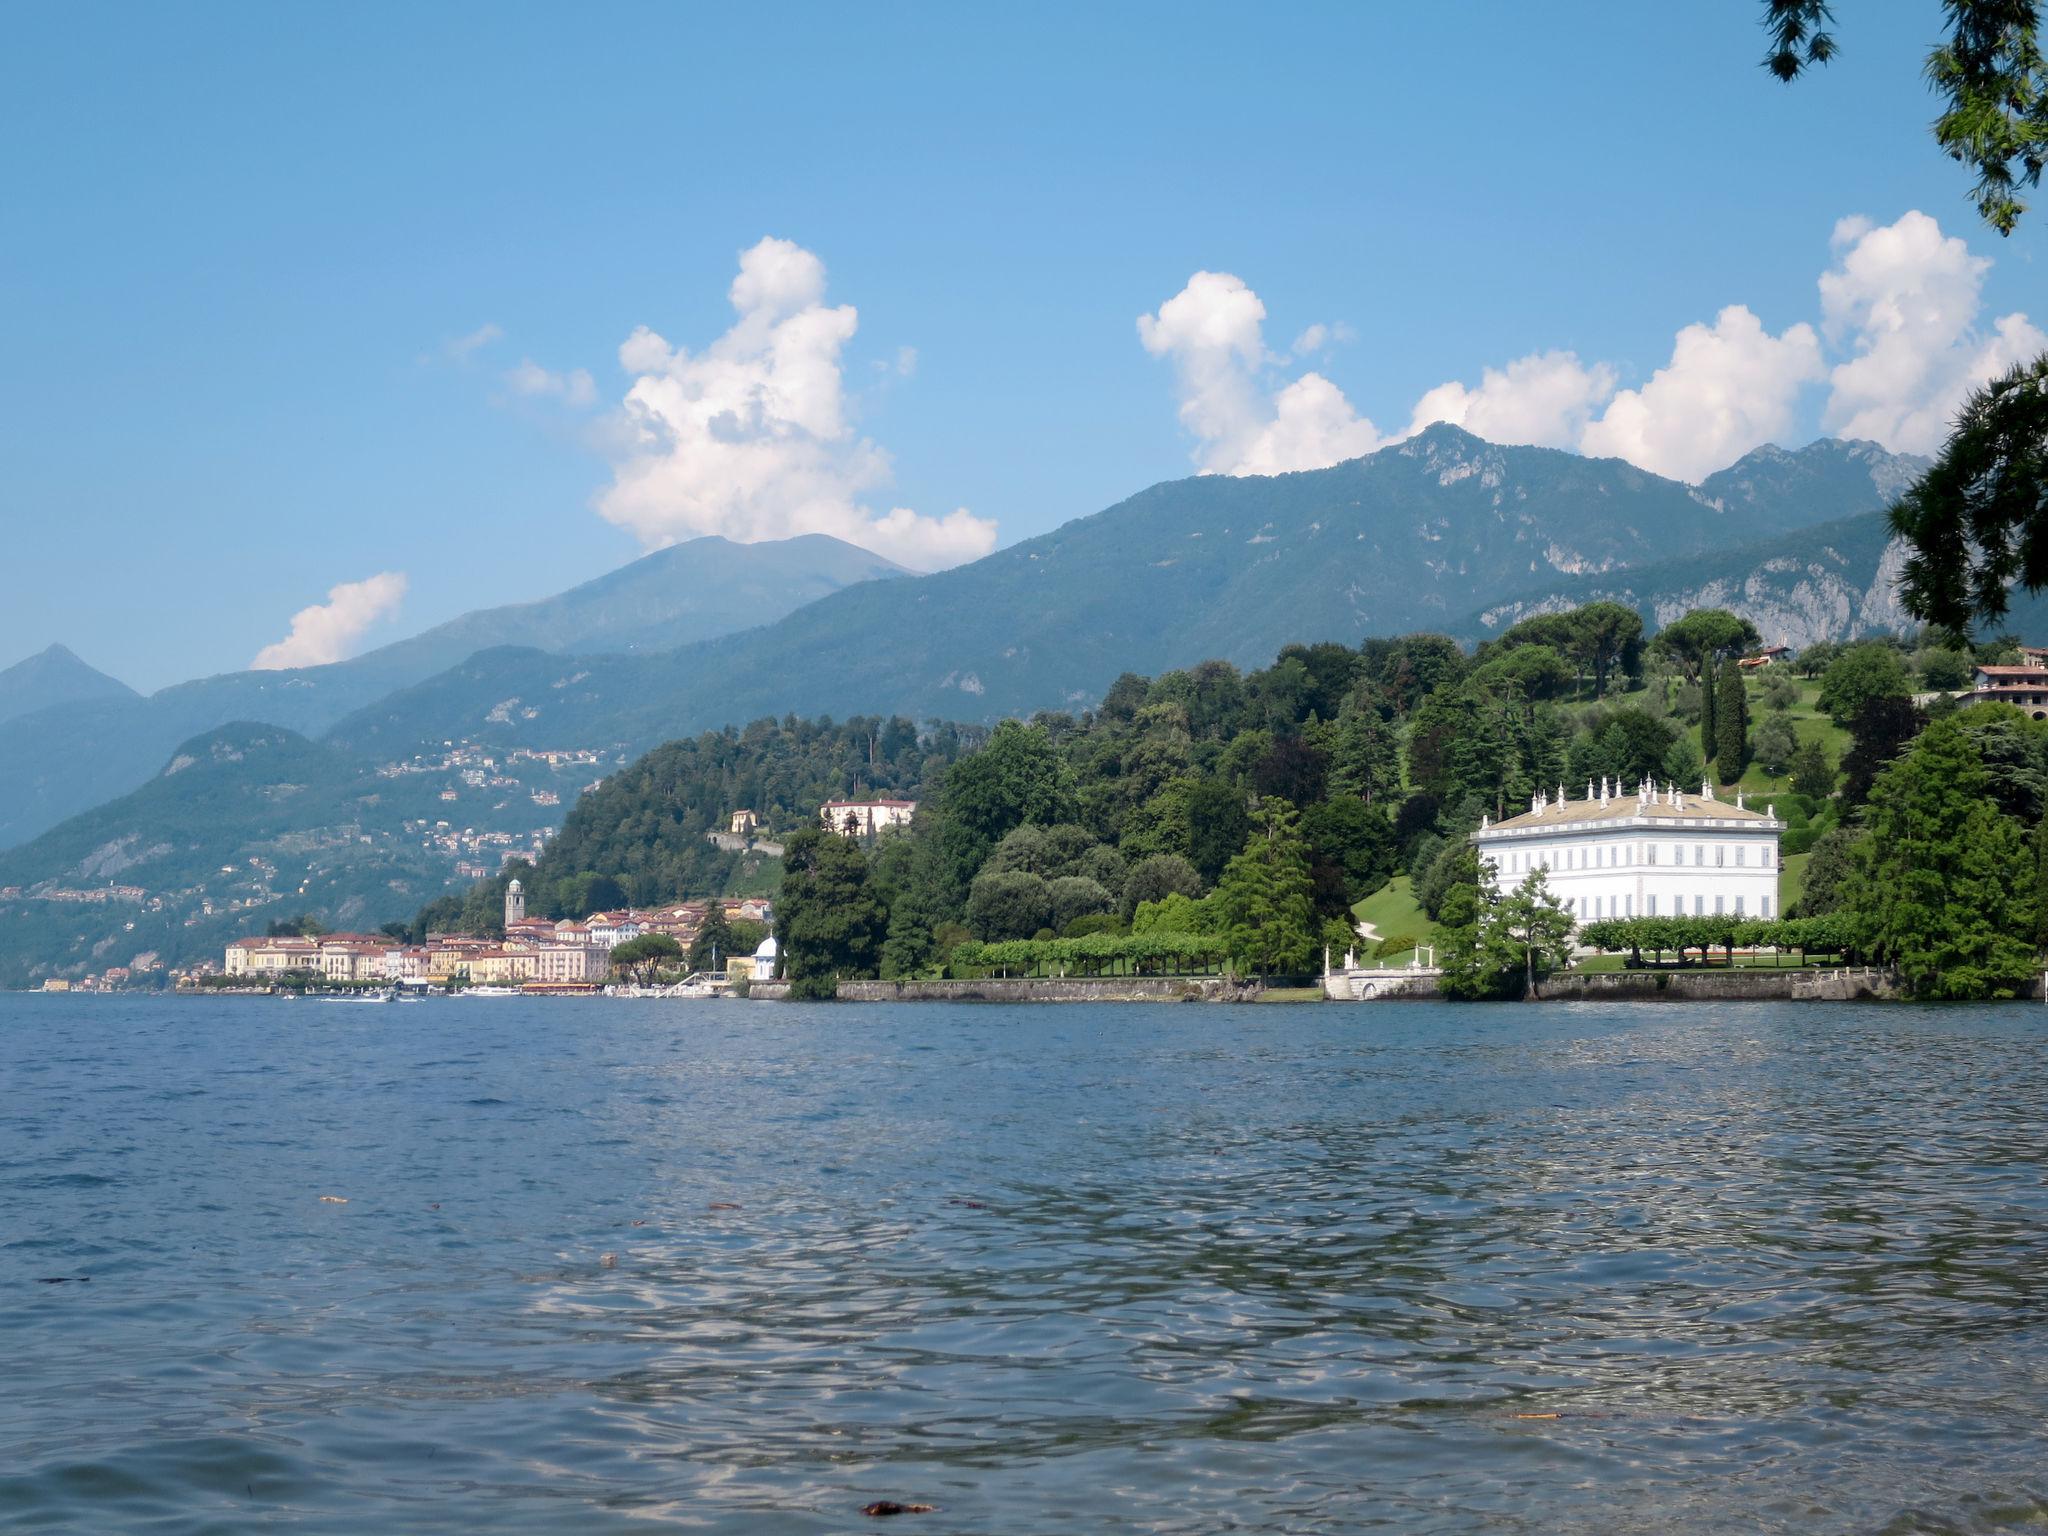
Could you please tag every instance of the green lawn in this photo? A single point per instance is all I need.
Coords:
(1393, 914)
(1791, 881)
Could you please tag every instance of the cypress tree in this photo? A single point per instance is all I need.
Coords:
(1709, 678)
(1731, 725)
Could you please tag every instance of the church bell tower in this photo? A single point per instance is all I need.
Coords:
(515, 903)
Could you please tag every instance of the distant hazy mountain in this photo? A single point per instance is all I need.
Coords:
(687, 592)
(54, 676)
(66, 755)
(243, 815)
(1418, 536)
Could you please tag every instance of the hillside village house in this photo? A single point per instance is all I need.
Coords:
(1659, 852)
(2024, 686)
(864, 818)
(535, 950)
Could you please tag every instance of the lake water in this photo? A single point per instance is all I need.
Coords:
(1088, 1269)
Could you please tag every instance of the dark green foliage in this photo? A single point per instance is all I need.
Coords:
(1826, 871)
(1455, 864)
(1624, 745)
(1009, 904)
(1943, 887)
(1946, 670)
(1710, 708)
(1859, 674)
(1074, 897)
(1156, 877)
(645, 958)
(2014, 752)
(714, 942)
(1880, 732)
(1731, 724)
(830, 924)
(641, 838)
(304, 926)
(1978, 520)
(1351, 852)
(1018, 777)
(1265, 899)
(1812, 774)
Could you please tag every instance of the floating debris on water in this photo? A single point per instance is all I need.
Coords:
(891, 1507)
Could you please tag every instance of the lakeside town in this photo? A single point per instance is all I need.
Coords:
(1610, 854)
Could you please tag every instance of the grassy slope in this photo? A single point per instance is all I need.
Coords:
(1393, 914)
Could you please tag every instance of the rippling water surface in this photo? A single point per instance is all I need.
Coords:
(738, 1267)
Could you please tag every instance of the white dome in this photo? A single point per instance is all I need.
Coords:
(765, 950)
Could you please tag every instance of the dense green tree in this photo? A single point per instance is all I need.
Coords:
(1018, 777)
(830, 924)
(1812, 774)
(1365, 757)
(1265, 899)
(713, 944)
(1882, 729)
(2014, 751)
(304, 926)
(1942, 889)
(1076, 896)
(645, 958)
(1860, 674)
(1710, 708)
(1827, 869)
(1731, 725)
(1531, 926)
(1351, 852)
(1156, 877)
(1008, 904)
(1946, 670)
(1526, 672)
(1684, 765)
(1472, 972)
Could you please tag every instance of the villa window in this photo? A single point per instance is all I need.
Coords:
(1653, 906)
(1699, 853)
(1740, 853)
(1765, 906)
(1717, 906)
(1738, 906)
(1720, 857)
(1699, 906)
(1649, 853)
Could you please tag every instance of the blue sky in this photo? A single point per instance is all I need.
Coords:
(243, 246)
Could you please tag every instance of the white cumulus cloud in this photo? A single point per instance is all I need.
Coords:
(1546, 398)
(1729, 387)
(328, 632)
(1904, 299)
(1212, 331)
(750, 437)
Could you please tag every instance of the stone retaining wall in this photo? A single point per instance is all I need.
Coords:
(1717, 986)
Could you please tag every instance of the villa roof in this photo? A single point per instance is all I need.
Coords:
(1662, 804)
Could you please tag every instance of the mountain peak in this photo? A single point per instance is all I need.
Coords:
(54, 675)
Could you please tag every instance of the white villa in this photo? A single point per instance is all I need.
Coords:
(1659, 852)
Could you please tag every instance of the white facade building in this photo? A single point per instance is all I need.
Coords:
(864, 818)
(1659, 852)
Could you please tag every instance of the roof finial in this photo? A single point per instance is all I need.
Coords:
(1706, 789)
(1738, 797)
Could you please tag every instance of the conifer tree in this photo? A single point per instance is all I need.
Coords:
(1266, 898)
(1710, 740)
(1731, 724)
(1942, 888)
